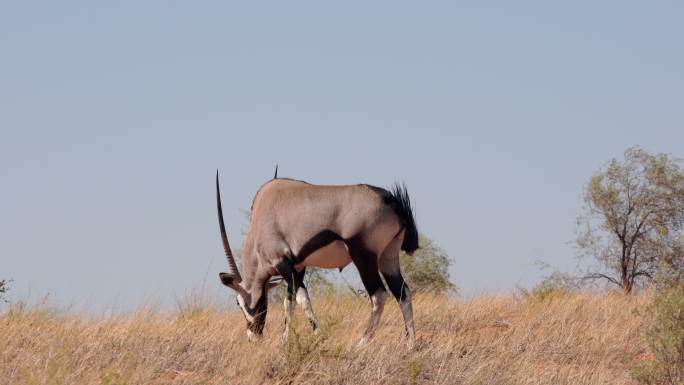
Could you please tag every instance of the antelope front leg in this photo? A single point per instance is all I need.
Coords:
(296, 288)
(304, 301)
(287, 304)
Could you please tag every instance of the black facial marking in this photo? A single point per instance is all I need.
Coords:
(258, 312)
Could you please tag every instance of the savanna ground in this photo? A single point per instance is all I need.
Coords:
(586, 338)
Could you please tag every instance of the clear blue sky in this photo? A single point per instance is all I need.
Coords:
(114, 117)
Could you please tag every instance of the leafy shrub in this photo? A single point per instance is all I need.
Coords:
(665, 338)
(428, 268)
(552, 285)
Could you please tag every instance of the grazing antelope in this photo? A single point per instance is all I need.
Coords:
(294, 225)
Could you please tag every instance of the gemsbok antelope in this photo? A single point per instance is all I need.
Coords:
(294, 225)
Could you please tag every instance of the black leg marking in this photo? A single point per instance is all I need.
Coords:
(370, 278)
(300, 276)
(295, 282)
(292, 278)
(401, 292)
(367, 263)
(397, 285)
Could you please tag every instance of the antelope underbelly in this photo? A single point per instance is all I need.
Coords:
(330, 256)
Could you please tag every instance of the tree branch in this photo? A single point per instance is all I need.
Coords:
(639, 226)
(603, 276)
(642, 273)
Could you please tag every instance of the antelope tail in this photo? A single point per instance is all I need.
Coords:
(401, 203)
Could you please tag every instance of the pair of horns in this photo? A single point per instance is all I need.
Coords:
(232, 266)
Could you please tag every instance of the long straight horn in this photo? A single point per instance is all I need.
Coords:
(232, 266)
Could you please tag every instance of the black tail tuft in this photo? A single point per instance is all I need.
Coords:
(402, 206)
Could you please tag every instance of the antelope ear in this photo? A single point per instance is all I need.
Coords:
(230, 280)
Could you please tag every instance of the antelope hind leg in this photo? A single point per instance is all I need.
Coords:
(366, 263)
(391, 271)
(402, 293)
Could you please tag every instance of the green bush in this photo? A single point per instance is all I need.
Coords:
(552, 285)
(665, 338)
(428, 268)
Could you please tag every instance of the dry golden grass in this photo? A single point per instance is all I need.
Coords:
(565, 339)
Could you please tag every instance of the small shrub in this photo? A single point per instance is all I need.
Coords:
(542, 293)
(414, 370)
(427, 270)
(4, 288)
(665, 338)
(300, 349)
(554, 285)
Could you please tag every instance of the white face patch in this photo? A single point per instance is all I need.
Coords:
(241, 303)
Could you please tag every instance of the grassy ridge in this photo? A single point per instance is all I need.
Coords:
(573, 339)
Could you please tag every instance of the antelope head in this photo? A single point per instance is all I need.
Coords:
(254, 309)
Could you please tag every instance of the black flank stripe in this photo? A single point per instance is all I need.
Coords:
(318, 241)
